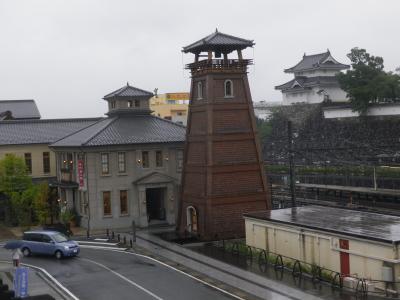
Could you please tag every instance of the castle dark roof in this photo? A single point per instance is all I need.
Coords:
(20, 109)
(19, 132)
(129, 91)
(218, 41)
(317, 61)
(302, 82)
(125, 130)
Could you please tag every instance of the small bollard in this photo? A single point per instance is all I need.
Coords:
(124, 240)
(131, 243)
(108, 232)
(134, 231)
(87, 234)
(112, 235)
(119, 237)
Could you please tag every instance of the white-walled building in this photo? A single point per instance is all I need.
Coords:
(314, 80)
(355, 244)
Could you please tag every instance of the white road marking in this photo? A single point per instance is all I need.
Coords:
(96, 243)
(101, 240)
(124, 278)
(101, 247)
(55, 281)
(175, 269)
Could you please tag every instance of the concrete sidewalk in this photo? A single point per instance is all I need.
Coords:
(37, 283)
(232, 276)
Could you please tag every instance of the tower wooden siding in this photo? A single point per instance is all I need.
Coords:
(223, 175)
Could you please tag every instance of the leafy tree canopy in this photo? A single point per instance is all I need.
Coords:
(13, 175)
(367, 82)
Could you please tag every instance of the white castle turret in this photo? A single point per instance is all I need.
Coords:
(314, 80)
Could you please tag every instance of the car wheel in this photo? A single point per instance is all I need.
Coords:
(26, 252)
(58, 254)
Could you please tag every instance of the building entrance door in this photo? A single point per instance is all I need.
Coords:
(344, 258)
(155, 204)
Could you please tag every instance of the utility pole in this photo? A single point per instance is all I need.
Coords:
(291, 167)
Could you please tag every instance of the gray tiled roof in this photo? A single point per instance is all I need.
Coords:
(18, 132)
(129, 91)
(218, 41)
(310, 62)
(125, 130)
(20, 109)
(308, 82)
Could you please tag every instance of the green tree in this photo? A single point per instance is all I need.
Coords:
(17, 186)
(41, 203)
(264, 128)
(367, 82)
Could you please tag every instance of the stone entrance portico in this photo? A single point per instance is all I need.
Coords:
(152, 181)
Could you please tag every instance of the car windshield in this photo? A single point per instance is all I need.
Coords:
(59, 238)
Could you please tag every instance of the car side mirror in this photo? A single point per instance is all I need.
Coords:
(51, 242)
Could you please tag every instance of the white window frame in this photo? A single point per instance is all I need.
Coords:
(200, 90)
(231, 83)
(120, 163)
(108, 163)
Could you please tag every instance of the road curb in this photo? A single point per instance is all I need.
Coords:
(51, 281)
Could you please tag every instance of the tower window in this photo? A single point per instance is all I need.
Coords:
(137, 103)
(199, 90)
(112, 104)
(228, 88)
(130, 103)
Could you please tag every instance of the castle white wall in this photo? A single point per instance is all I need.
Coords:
(336, 94)
(346, 112)
(315, 73)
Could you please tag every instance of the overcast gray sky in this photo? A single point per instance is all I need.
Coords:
(68, 54)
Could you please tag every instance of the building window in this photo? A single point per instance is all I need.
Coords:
(121, 162)
(112, 104)
(179, 160)
(159, 159)
(137, 103)
(46, 162)
(130, 103)
(104, 163)
(107, 203)
(28, 162)
(228, 88)
(145, 159)
(123, 202)
(179, 113)
(200, 90)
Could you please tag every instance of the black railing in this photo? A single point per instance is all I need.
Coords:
(220, 64)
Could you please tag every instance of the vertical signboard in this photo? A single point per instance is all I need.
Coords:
(81, 175)
(21, 282)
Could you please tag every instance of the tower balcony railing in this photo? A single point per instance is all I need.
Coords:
(238, 65)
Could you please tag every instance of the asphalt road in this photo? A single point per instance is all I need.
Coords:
(106, 274)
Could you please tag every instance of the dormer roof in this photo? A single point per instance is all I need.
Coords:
(128, 91)
(20, 109)
(303, 83)
(317, 61)
(218, 41)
